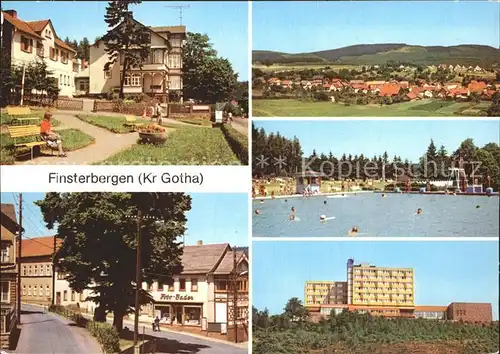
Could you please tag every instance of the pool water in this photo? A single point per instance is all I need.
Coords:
(374, 215)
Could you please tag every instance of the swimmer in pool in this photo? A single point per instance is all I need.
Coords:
(383, 195)
(419, 211)
(286, 200)
(262, 201)
(322, 217)
(257, 211)
(353, 231)
(292, 214)
(325, 202)
(478, 206)
(293, 209)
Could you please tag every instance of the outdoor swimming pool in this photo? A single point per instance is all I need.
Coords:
(374, 215)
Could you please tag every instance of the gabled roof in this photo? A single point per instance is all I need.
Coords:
(38, 26)
(39, 246)
(8, 221)
(35, 28)
(60, 43)
(20, 25)
(203, 259)
(9, 211)
(226, 266)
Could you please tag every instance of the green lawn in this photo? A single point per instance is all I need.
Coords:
(185, 146)
(111, 123)
(73, 139)
(6, 119)
(421, 108)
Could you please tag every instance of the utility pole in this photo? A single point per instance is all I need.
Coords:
(19, 260)
(54, 273)
(138, 282)
(235, 297)
(22, 84)
(180, 8)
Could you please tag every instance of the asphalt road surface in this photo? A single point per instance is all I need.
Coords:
(170, 342)
(44, 333)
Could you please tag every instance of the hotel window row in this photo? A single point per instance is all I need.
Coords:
(65, 80)
(36, 290)
(37, 270)
(55, 54)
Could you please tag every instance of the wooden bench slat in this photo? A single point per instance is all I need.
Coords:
(18, 111)
(23, 130)
(34, 143)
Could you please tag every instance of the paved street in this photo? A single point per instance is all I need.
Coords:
(171, 342)
(44, 333)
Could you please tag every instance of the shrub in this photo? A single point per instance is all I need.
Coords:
(107, 336)
(237, 141)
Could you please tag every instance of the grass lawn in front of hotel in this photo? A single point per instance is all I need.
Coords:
(185, 146)
(115, 124)
(73, 139)
(418, 108)
(6, 119)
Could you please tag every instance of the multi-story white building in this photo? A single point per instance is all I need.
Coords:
(203, 294)
(160, 75)
(29, 41)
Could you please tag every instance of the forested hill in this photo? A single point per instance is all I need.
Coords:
(372, 54)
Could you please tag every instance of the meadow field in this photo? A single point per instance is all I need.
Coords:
(421, 108)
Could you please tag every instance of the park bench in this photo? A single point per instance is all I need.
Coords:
(131, 121)
(25, 131)
(16, 112)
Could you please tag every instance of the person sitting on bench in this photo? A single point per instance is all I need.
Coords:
(53, 139)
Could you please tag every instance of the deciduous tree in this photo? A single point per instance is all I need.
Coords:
(99, 238)
(206, 77)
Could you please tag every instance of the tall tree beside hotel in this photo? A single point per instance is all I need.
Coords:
(126, 40)
(206, 77)
(99, 238)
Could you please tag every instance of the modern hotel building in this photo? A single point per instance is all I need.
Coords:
(383, 291)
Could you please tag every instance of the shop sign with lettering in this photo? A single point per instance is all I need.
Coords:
(176, 297)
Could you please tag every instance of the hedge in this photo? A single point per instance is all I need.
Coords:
(237, 141)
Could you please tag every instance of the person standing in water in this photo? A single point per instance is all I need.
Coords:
(292, 214)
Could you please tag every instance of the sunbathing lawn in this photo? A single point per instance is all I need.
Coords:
(73, 139)
(296, 108)
(115, 124)
(185, 146)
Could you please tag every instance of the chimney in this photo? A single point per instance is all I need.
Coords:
(13, 13)
(199, 243)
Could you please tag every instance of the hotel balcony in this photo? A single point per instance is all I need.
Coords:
(149, 66)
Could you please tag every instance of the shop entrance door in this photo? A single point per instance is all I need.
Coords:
(178, 314)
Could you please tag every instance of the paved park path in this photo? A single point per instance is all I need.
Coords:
(241, 125)
(106, 143)
(48, 333)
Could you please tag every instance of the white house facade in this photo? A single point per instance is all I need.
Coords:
(30, 41)
(159, 75)
(202, 295)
